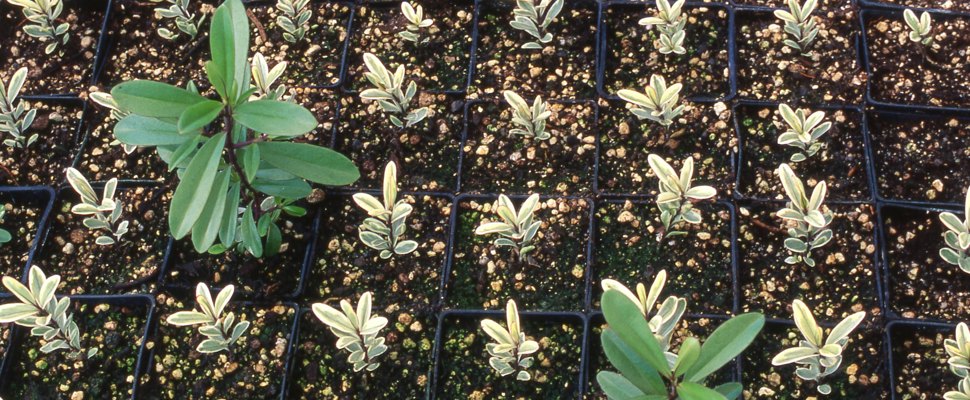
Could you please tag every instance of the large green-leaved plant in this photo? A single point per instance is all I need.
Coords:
(238, 167)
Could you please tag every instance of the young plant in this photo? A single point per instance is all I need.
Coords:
(42, 16)
(959, 351)
(810, 219)
(800, 25)
(534, 19)
(5, 236)
(294, 19)
(47, 317)
(15, 118)
(510, 351)
(957, 237)
(920, 29)
(239, 169)
(264, 78)
(645, 372)
(185, 20)
(390, 94)
(676, 198)
(221, 331)
(415, 23)
(670, 21)
(662, 322)
(657, 104)
(356, 331)
(817, 356)
(385, 226)
(517, 229)
(803, 132)
(531, 120)
(103, 214)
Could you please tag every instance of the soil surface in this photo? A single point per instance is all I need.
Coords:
(440, 64)
(321, 371)
(496, 161)
(953, 5)
(631, 57)
(269, 277)
(484, 276)
(57, 125)
(313, 61)
(426, 154)
(22, 220)
(862, 375)
(704, 131)
(251, 369)
(769, 70)
(131, 264)
(841, 162)
(921, 284)
(920, 362)
(564, 69)
(465, 373)
(56, 73)
(629, 249)
(842, 282)
(921, 159)
(117, 331)
(901, 73)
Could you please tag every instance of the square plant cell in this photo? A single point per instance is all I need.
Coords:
(843, 280)
(919, 360)
(921, 284)
(313, 61)
(565, 68)
(841, 162)
(863, 374)
(346, 268)
(495, 160)
(69, 69)
(57, 126)
(426, 154)
(116, 328)
(252, 368)
(703, 132)
(464, 371)
(135, 50)
(550, 278)
(768, 70)
(104, 157)
(321, 371)
(921, 159)
(631, 56)
(907, 72)
(269, 277)
(25, 216)
(131, 264)
(699, 328)
(630, 248)
(440, 64)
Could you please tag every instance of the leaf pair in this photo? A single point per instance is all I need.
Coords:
(920, 29)
(662, 322)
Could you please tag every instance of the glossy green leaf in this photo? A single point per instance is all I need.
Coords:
(727, 341)
(625, 319)
(250, 236)
(275, 118)
(313, 163)
(229, 44)
(193, 190)
(693, 391)
(198, 116)
(154, 99)
(144, 131)
(206, 230)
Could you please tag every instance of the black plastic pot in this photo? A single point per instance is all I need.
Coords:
(897, 361)
(633, 6)
(21, 341)
(74, 148)
(40, 198)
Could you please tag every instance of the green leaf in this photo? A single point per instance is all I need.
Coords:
(250, 236)
(618, 387)
(313, 163)
(286, 189)
(144, 131)
(693, 391)
(689, 351)
(634, 368)
(154, 99)
(625, 319)
(730, 390)
(196, 184)
(230, 214)
(205, 231)
(275, 118)
(727, 341)
(198, 116)
(229, 44)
